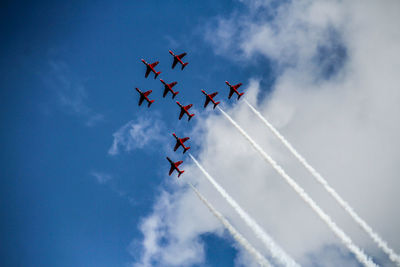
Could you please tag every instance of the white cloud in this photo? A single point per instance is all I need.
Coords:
(101, 177)
(71, 92)
(344, 120)
(136, 134)
(170, 236)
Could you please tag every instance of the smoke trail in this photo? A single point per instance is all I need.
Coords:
(275, 250)
(236, 235)
(360, 255)
(363, 224)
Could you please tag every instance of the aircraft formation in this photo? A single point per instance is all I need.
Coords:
(275, 250)
(184, 109)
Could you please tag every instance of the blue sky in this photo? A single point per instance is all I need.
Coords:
(83, 167)
(68, 70)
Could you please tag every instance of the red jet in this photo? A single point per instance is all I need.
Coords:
(209, 97)
(178, 58)
(184, 109)
(179, 142)
(174, 166)
(143, 96)
(168, 88)
(234, 89)
(150, 67)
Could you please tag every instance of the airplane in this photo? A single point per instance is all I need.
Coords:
(233, 89)
(168, 88)
(178, 58)
(184, 109)
(174, 166)
(143, 96)
(179, 142)
(150, 67)
(209, 97)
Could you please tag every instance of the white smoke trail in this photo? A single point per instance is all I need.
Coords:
(275, 250)
(360, 255)
(363, 224)
(236, 235)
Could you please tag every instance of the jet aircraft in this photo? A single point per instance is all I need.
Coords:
(178, 58)
(168, 88)
(184, 109)
(233, 89)
(179, 142)
(143, 96)
(174, 166)
(209, 97)
(150, 67)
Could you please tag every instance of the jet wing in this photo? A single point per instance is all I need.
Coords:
(181, 114)
(171, 170)
(148, 69)
(178, 163)
(182, 55)
(165, 91)
(174, 63)
(213, 94)
(237, 86)
(154, 64)
(188, 106)
(231, 93)
(184, 139)
(141, 99)
(177, 145)
(147, 93)
(173, 84)
(207, 101)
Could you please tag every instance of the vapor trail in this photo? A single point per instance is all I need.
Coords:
(360, 255)
(363, 224)
(274, 249)
(236, 235)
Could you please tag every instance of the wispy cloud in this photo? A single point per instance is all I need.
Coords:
(136, 134)
(71, 92)
(101, 177)
(109, 180)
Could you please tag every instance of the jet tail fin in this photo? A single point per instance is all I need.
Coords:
(157, 73)
(216, 104)
(190, 117)
(186, 149)
(174, 94)
(184, 65)
(180, 173)
(151, 102)
(240, 95)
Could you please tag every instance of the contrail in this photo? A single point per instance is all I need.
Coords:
(360, 255)
(236, 235)
(275, 250)
(363, 224)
